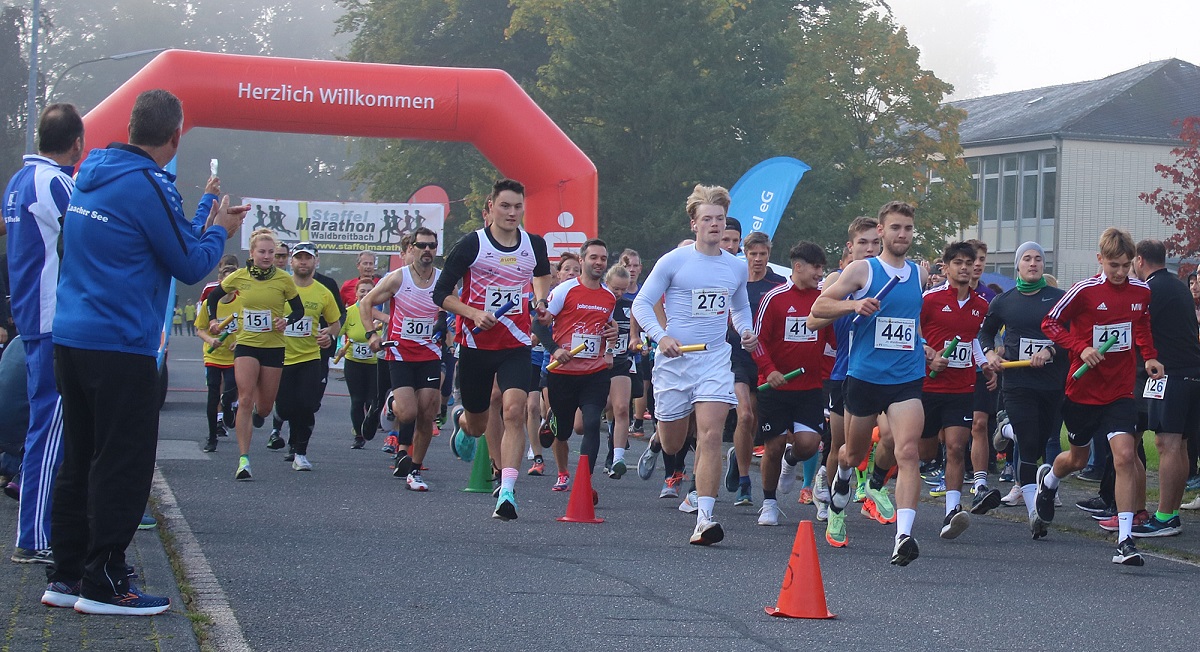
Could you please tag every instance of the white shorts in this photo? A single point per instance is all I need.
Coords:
(681, 382)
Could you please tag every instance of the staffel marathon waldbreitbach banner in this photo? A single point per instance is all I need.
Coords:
(342, 226)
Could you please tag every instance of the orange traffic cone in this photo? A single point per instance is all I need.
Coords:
(580, 508)
(803, 592)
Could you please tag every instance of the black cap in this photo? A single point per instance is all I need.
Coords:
(732, 224)
(305, 247)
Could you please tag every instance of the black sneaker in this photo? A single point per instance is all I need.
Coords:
(404, 465)
(23, 556)
(258, 420)
(210, 446)
(132, 603)
(275, 442)
(370, 424)
(1044, 503)
(229, 418)
(906, 551)
(1127, 554)
(61, 594)
(1156, 528)
(359, 442)
(955, 524)
(545, 433)
(1092, 475)
(1093, 505)
(985, 500)
(1105, 514)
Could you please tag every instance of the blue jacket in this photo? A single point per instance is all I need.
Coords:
(124, 236)
(34, 204)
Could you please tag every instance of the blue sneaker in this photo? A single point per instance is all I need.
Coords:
(132, 603)
(61, 594)
(148, 522)
(743, 499)
(464, 446)
(506, 506)
(731, 470)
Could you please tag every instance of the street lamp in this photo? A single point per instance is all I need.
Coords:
(114, 57)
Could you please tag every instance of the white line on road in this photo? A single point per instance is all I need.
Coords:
(226, 632)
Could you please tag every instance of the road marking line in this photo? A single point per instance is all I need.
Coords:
(225, 631)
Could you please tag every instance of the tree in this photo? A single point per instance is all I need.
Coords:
(14, 79)
(1179, 205)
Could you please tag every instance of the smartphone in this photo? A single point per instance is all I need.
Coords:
(212, 167)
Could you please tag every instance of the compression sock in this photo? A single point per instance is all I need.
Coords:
(879, 477)
(810, 470)
(508, 479)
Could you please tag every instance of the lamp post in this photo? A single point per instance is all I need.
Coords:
(113, 57)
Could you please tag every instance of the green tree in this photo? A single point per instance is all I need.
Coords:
(14, 79)
(870, 121)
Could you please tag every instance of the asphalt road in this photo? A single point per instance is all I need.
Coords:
(345, 558)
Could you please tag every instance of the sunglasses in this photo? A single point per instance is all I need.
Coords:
(425, 245)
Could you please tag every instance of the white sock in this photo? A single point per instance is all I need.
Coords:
(618, 455)
(904, 521)
(980, 479)
(1051, 480)
(508, 479)
(953, 499)
(1124, 525)
(844, 473)
(706, 504)
(1029, 493)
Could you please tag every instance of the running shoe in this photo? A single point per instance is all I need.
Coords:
(358, 444)
(835, 529)
(257, 420)
(1044, 504)
(955, 524)
(464, 446)
(455, 431)
(301, 463)
(1112, 524)
(933, 478)
(275, 442)
(743, 498)
(759, 450)
(860, 489)
(563, 483)
(1008, 474)
(618, 470)
(870, 510)
(821, 494)
(148, 522)
(930, 470)
(787, 474)
(243, 468)
(538, 467)
(391, 443)
(506, 506)
(883, 503)
(1093, 505)
(210, 446)
(1127, 554)
(1014, 497)
(707, 531)
(1105, 514)
(690, 504)
(822, 510)
(229, 418)
(985, 500)
(1037, 527)
(769, 513)
(670, 488)
(999, 439)
(1191, 504)
(731, 470)
(648, 460)
(415, 482)
(806, 496)
(131, 603)
(548, 432)
(939, 490)
(637, 432)
(1156, 528)
(840, 496)
(1193, 483)
(25, 556)
(906, 551)
(61, 594)
(1090, 474)
(404, 465)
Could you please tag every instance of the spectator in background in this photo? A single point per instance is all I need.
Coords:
(366, 269)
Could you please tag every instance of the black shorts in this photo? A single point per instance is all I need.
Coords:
(569, 392)
(867, 399)
(644, 366)
(417, 375)
(985, 399)
(744, 369)
(535, 378)
(479, 369)
(272, 357)
(1178, 411)
(946, 411)
(835, 394)
(1084, 422)
(780, 410)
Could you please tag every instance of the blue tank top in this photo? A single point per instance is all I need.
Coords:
(885, 348)
(841, 330)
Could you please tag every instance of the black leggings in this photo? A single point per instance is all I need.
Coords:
(588, 394)
(362, 381)
(1035, 416)
(215, 377)
(300, 391)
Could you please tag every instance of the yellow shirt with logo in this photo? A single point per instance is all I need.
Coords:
(357, 350)
(300, 338)
(222, 356)
(261, 303)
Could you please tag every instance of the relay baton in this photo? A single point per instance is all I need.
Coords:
(788, 376)
(949, 351)
(879, 296)
(508, 305)
(692, 348)
(221, 327)
(342, 352)
(1108, 344)
(575, 351)
(1014, 364)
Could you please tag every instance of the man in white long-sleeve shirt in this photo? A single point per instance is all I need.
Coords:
(703, 286)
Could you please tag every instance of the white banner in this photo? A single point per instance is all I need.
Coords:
(341, 226)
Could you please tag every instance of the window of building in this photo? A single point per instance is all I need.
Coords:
(1015, 190)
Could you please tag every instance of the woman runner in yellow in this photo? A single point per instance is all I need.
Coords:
(360, 370)
(263, 291)
(218, 363)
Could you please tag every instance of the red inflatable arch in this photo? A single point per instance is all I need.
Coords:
(483, 107)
